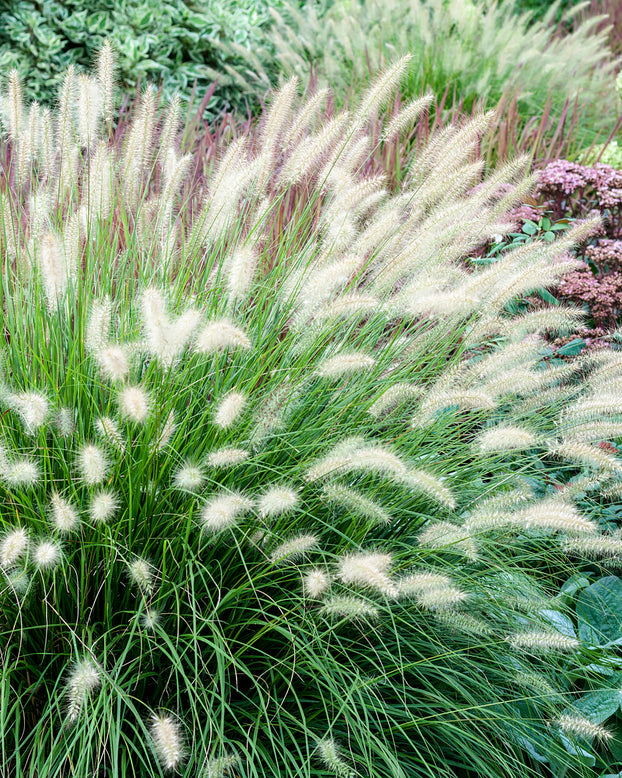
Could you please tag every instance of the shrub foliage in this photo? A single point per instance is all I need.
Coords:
(172, 43)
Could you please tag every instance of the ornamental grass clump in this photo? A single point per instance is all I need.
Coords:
(490, 50)
(271, 456)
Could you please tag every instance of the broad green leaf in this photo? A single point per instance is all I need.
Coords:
(561, 623)
(599, 612)
(584, 756)
(572, 348)
(597, 706)
(574, 584)
(531, 749)
(548, 297)
(615, 744)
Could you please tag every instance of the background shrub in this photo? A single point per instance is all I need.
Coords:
(172, 42)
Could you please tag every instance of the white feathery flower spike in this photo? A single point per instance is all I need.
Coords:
(64, 514)
(431, 590)
(241, 272)
(103, 506)
(554, 515)
(22, 473)
(348, 607)
(166, 338)
(105, 74)
(92, 464)
(189, 477)
(15, 107)
(98, 326)
(84, 678)
(294, 549)
(223, 510)
(602, 547)
(18, 580)
(89, 109)
(47, 554)
(442, 598)
(134, 404)
(356, 503)
(166, 432)
(431, 486)
(328, 467)
(65, 422)
(227, 457)
(277, 500)
(370, 570)
(141, 574)
(229, 409)
(167, 741)
(13, 546)
(330, 754)
(414, 584)
(53, 269)
(109, 429)
(220, 766)
(33, 408)
(407, 115)
(315, 583)
(344, 365)
(113, 361)
(581, 726)
(393, 396)
(378, 93)
(447, 536)
(586, 454)
(505, 438)
(539, 642)
(150, 619)
(219, 335)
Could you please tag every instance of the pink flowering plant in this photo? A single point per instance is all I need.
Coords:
(268, 453)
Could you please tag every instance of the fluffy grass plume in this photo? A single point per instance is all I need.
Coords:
(270, 516)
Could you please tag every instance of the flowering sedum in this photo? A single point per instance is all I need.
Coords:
(261, 466)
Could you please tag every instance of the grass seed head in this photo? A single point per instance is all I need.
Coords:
(229, 409)
(92, 464)
(134, 404)
(64, 515)
(13, 546)
(47, 554)
(167, 741)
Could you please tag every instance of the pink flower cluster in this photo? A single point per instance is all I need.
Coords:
(601, 293)
(606, 254)
(570, 190)
(562, 176)
(567, 186)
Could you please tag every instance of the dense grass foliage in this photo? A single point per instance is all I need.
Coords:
(488, 50)
(272, 455)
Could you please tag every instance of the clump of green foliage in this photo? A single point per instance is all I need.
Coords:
(172, 43)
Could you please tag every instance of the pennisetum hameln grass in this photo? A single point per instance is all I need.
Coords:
(268, 453)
